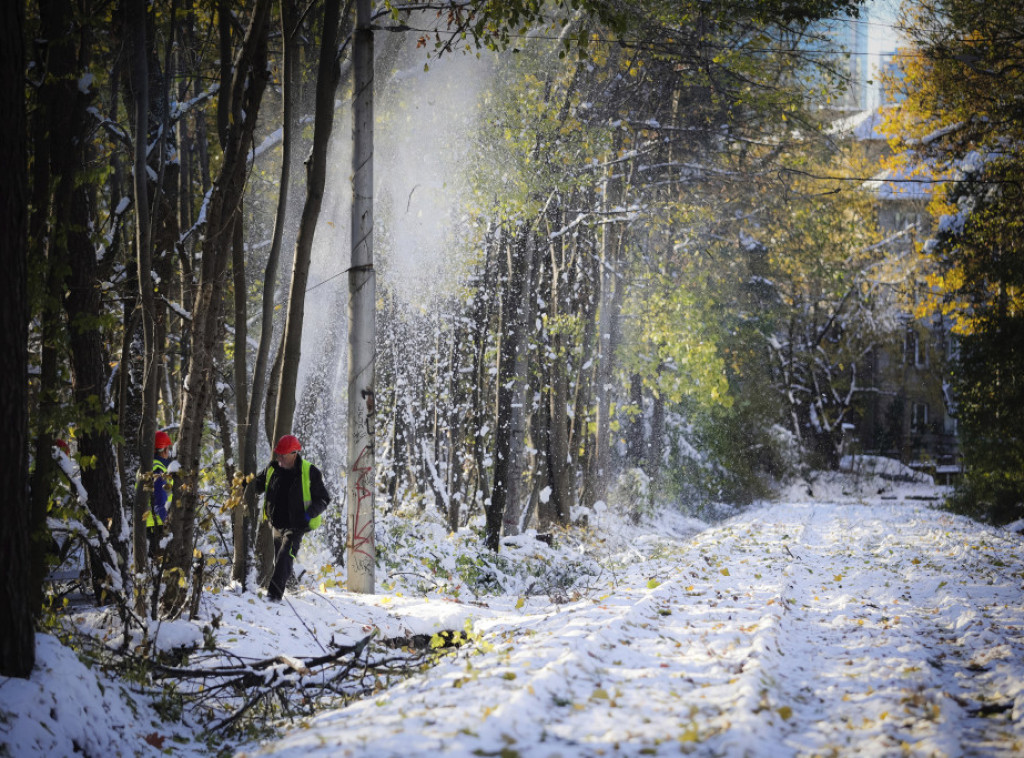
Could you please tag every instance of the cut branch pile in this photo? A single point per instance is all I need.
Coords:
(296, 686)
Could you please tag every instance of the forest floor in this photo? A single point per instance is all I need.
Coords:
(823, 624)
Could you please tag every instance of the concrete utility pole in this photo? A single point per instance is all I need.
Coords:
(361, 318)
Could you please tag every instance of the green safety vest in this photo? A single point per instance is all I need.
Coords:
(307, 498)
(153, 519)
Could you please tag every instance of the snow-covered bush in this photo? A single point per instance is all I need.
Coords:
(634, 493)
(725, 455)
(417, 555)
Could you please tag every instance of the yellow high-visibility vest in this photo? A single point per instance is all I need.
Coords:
(153, 519)
(307, 497)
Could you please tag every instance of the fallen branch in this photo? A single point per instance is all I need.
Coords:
(347, 671)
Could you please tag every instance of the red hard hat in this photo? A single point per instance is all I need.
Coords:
(162, 440)
(289, 443)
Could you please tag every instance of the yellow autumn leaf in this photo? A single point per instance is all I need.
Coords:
(785, 712)
(689, 734)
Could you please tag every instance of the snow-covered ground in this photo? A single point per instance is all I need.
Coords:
(827, 624)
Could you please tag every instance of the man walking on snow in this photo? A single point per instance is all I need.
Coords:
(295, 498)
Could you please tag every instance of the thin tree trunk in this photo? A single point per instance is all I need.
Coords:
(580, 442)
(88, 358)
(512, 520)
(453, 434)
(656, 444)
(559, 458)
(483, 307)
(245, 90)
(547, 506)
(635, 425)
(511, 335)
(135, 19)
(246, 518)
(240, 523)
(52, 127)
(328, 75)
(610, 303)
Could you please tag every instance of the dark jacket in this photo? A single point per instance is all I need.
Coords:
(283, 504)
(161, 489)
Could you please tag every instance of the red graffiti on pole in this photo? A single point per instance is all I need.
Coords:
(362, 533)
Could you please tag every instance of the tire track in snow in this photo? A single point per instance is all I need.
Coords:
(865, 672)
(789, 631)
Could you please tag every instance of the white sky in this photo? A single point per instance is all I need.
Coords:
(881, 18)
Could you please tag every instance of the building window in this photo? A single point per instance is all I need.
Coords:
(919, 417)
(914, 352)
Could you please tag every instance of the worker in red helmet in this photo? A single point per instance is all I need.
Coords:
(295, 498)
(156, 516)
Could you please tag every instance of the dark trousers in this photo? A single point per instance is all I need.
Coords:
(286, 550)
(154, 535)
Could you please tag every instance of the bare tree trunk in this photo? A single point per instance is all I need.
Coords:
(19, 587)
(328, 75)
(71, 277)
(88, 358)
(559, 458)
(635, 425)
(53, 125)
(580, 441)
(454, 480)
(656, 444)
(220, 417)
(361, 322)
(135, 21)
(245, 519)
(513, 292)
(483, 306)
(610, 298)
(240, 524)
(547, 506)
(245, 90)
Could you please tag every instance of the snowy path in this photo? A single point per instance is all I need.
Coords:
(792, 630)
